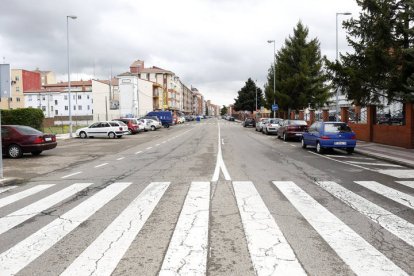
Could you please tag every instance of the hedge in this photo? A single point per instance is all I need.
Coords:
(32, 117)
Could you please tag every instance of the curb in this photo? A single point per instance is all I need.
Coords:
(385, 158)
(7, 181)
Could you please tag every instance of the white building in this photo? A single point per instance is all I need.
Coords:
(105, 99)
(135, 95)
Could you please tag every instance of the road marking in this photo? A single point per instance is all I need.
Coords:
(375, 164)
(120, 158)
(5, 189)
(222, 141)
(101, 165)
(284, 142)
(394, 224)
(15, 197)
(138, 152)
(409, 184)
(15, 218)
(163, 142)
(342, 239)
(148, 148)
(348, 156)
(292, 145)
(343, 162)
(72, 174)
(26, 251)
(103, 255)
(398, 173)
(157, 145)
(220, 162)
(187, 251)
(270, 252)
(385, 191)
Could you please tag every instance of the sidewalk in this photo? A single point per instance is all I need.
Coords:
(397, 155)
(64, 136)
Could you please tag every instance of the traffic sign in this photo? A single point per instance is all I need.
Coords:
(275, 107)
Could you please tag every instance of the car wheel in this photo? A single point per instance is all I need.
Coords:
(267, 132)
(36, 152)
(14, 151)
(303, 143)
(284, 137)
(111, 135)
(350, 150)
(83, 135)
(153, 128)
(119, 136)
(319, 149)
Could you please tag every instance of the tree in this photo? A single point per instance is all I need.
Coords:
(382, 63)
(300, 80)
(246, 99)
(223, 110)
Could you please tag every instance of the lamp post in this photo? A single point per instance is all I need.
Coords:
(67, 40)
(274, 73)
(337, 57)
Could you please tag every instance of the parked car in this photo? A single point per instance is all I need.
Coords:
(132, 123)
(150, 124)
(231, 118)
(249, 122)
(17, 140)
(166, 117)
(259, 124)
(271, 126)
(110, 129)
(292, 129)
(327, 135)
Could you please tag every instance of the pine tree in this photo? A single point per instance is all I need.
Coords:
(246, 99)
(300, 80)
(382, 64)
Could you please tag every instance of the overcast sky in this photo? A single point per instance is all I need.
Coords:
(214, 45)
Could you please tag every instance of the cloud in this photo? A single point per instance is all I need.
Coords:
(213, 45)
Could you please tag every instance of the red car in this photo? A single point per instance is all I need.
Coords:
(16, 140)
(292, 129)
(132, 123)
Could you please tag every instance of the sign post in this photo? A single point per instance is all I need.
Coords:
(275, 108)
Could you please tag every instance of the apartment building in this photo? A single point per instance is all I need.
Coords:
(105, 95)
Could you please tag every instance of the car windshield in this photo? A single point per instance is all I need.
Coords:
(336, 128)
(274, 121)
(28, 130)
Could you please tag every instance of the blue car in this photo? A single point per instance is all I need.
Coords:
(329, 135)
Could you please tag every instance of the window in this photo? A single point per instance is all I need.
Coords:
(43, 108)
(87, 97)
(66, 107)
(79, 107)
(43, 98)
(56, 102)
(66, 97)
(56, 112)
(17, 99)
(74, 107)
(51, 108)
(336, 128)
(17, 89)
(79, 97)
(30, 98)
(89, 107)
(17, 78)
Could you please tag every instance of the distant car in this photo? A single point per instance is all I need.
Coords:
(271, 126)
(17, 140)
(249, 122)
(324, 135)
(292, 129)
(259, 124)
(231, 118)
(151, 124)
(110, 129)
(132, 123)
(165, 117)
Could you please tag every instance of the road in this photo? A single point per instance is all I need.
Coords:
(206, 198)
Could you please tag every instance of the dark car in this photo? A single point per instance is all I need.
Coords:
(16, 140)
(292, 129)
(231, 118)
(249, 122)
(328, 135)
(132, 123)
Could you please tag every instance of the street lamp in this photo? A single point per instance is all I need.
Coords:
(67, 41)
(274, 73)
(337, 57)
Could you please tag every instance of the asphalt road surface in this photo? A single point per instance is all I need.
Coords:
(209, 198)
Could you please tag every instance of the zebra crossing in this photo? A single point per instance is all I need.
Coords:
(270, 251)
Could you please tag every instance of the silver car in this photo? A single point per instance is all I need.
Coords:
(259, 124)
(271, 126)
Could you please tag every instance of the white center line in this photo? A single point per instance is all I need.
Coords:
(72, 174)
(292, 145)
(120, 158)
(220, 162)
(148, 148)
(101, 165)
(138, 152)
(375, 164)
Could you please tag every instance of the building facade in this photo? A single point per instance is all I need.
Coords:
(105, 95)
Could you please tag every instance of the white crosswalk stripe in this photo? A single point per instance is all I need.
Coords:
(385, 191)
(103, 255)
(394, 224)
(347, 244)
(269, 251)
(7, 188)
(16, 197)
(26, 251)
(187, 252)
(15, 218)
